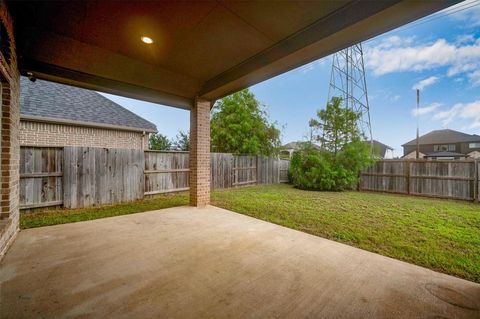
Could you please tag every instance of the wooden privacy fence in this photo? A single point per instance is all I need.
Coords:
(41, 177)
(440, 178)
(168, 171)
(85, 176)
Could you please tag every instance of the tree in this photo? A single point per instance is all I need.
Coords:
(240, 125)
(182, 141)
(336, 126)
(343, 155)
(159, 142)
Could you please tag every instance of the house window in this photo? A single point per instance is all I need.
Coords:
(474, 145)
(444, 148)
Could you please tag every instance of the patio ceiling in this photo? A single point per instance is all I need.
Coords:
(202, 48)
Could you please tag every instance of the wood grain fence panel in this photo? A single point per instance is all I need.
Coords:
(221, 170)
(244, 170)
(385, 176)
(40, 182)
(166, 172)
(442, 179)
(99, 176)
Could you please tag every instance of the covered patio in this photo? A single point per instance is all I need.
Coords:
(212, 263)
(180, 54)
(198, 261)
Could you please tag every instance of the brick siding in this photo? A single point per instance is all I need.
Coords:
(200, 154)
(9, 145)
(52, 134)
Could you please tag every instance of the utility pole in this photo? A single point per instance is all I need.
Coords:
(418, 105)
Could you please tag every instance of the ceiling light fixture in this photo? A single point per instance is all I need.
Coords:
(147, 40)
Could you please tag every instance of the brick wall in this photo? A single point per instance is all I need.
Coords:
(9, 144)
(200, 154)
(52, 134)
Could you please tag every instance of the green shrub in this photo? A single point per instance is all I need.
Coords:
(320, 170)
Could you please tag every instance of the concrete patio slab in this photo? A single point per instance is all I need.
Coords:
(212, 263)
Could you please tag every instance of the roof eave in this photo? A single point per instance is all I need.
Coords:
(33, 118)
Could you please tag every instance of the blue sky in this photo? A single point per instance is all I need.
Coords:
(439, 54)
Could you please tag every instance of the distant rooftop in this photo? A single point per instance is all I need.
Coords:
(53, 102)
(444, 136)
(298, 145)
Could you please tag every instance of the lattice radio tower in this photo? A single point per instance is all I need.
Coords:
(347, 81)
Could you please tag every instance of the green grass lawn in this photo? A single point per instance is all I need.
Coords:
(439, 234)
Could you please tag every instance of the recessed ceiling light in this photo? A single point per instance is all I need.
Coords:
(147, 40)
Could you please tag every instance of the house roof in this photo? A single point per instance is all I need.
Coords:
(380, 147)
(444, 136)
(375, 142)
(53, 102)
(298, 145)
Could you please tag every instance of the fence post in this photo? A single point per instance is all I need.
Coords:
(408, 162)
(475, 181)
(257, 170)
(359, 182)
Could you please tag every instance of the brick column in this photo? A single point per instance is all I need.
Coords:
(9, 124)
(200, 154)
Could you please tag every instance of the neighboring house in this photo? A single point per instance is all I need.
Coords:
(288, 149)
(53, 114)
(444, 144)
(381, 150)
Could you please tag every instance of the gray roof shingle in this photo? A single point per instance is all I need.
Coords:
(444, 136)
(57, 101)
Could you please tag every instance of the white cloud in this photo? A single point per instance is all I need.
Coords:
(475, 77)
(425, 110)
(404, 56)
(447, 116)
(461, 110)
(465, 38)
(425, 82)
(471, 110)
(395, 41)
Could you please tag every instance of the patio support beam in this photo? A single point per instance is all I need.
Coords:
(200, 153)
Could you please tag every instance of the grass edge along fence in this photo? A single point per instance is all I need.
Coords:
(76, 177)
(449, 179)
